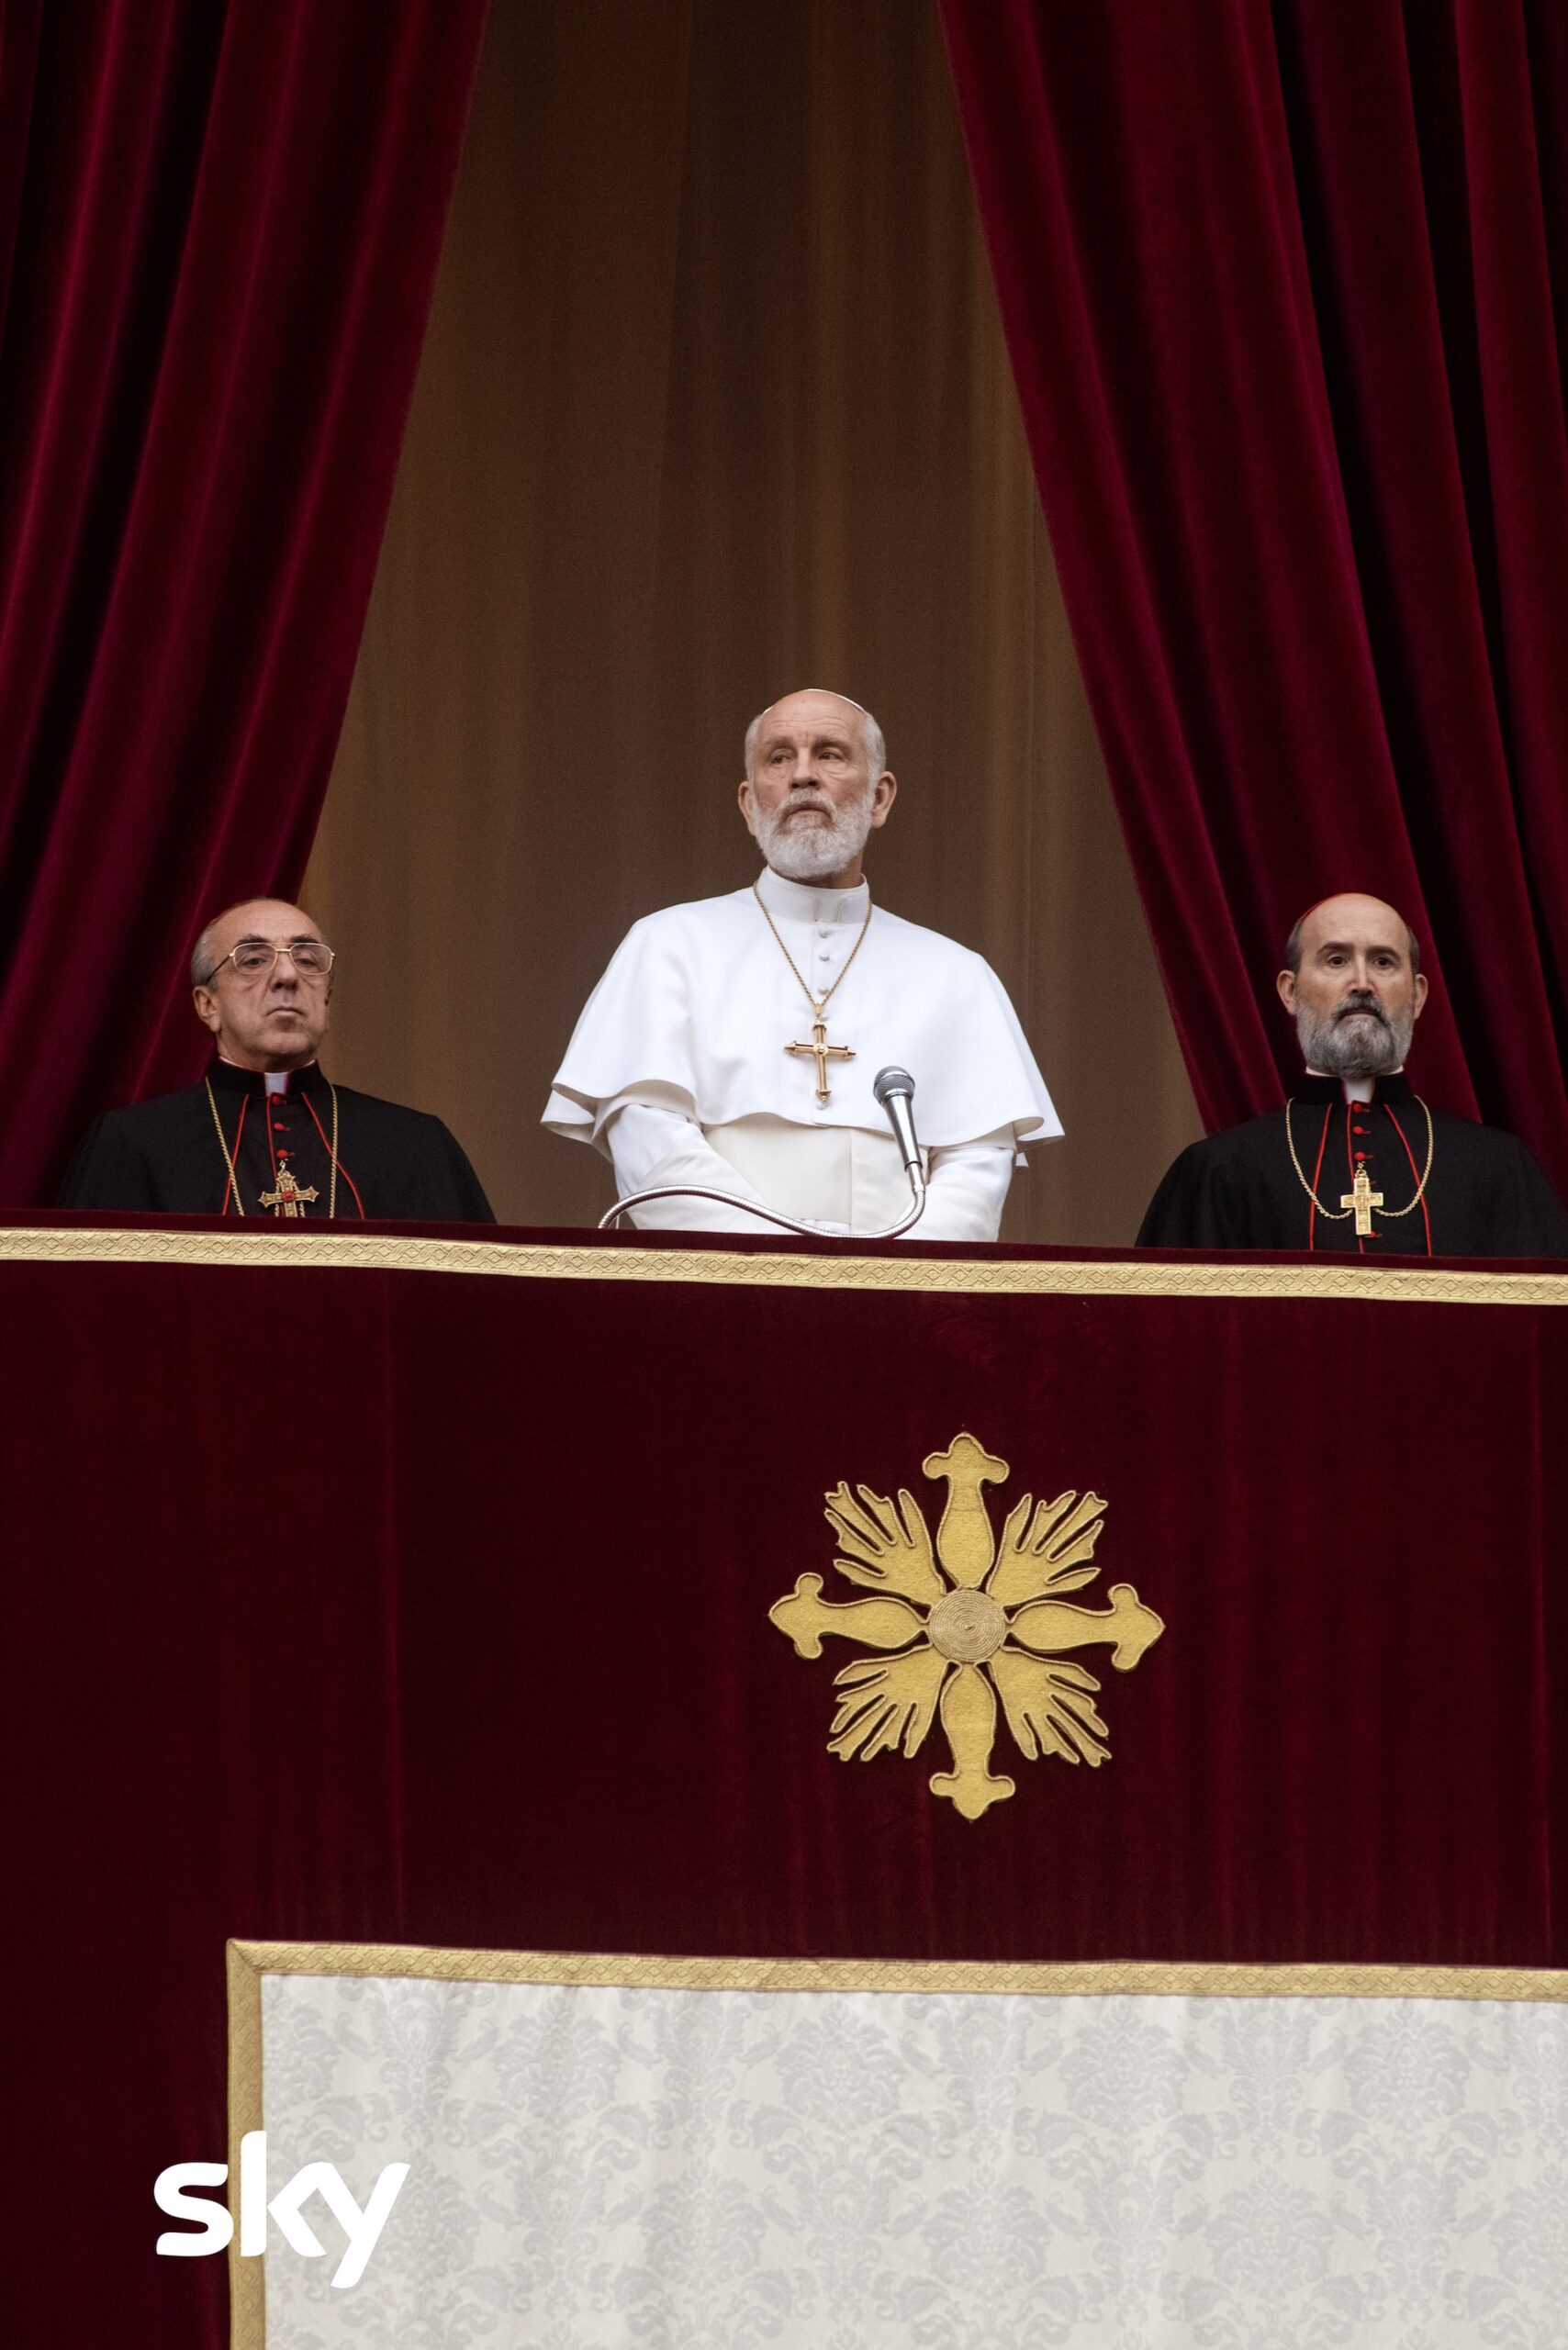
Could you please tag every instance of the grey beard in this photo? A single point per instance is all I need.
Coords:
(1341, 1045)
(810, 852)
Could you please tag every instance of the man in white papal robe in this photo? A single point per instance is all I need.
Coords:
(733, 1042)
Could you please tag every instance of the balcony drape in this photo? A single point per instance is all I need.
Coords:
(218, 231)
(1286, 291)
(455, 1631)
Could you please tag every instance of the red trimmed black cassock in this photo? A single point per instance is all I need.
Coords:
(164, 1156)
(1488, 1194)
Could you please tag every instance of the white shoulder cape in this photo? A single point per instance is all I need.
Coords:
(698, 1005)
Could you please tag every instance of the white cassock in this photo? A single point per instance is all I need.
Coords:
(677, 1068)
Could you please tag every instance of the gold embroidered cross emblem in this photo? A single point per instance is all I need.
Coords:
(977, 1620)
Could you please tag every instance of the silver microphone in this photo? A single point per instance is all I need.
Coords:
(894, 1088)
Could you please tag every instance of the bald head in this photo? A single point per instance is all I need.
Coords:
(1349, 908)
(814, 703)
(1353, 982)
(274, 917)
(274, 1016)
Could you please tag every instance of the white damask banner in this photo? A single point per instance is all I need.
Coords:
(827, 2169)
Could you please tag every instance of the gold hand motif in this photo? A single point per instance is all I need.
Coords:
(887, 1703)
(888, 1543)
(1047, 1556)
(1051, 1704)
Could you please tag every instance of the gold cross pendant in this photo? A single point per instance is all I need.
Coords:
(288, 1199)
(1363, 1199)
(822, 1052)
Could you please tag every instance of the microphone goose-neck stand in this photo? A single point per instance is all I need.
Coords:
(893, 1088)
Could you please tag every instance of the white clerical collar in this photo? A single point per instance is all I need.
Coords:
(1356, 1089)
(810, 900)
(277, 1078)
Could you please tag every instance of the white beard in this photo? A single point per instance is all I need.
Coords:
(808, 851)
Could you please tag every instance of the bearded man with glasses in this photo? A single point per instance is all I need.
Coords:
(267, 1134)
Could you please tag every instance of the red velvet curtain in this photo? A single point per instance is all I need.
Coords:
(1286, 290)
(218, 233)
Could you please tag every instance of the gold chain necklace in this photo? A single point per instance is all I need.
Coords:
(819, 1049)
(1339, 1215)
(228, 1161)
(819, 1003)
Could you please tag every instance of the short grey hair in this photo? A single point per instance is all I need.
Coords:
(1292, 946)
(872, 741)
(201, 955)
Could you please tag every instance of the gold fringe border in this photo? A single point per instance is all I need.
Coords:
(993, 1276)
(249, 1961)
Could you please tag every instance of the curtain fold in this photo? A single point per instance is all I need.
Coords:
(222, 227)
(1285, 292)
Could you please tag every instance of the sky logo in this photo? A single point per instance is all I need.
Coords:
(362, 2227)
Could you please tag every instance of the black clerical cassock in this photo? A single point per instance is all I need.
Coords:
(1356, 1179)
(227, 1146)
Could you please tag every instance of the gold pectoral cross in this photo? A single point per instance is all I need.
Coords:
(822, 1052)
(1363, 1199)
(288, 1199)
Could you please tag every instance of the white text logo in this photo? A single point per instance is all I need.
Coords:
(170, 2192)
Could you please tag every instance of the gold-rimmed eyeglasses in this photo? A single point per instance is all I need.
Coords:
(256, 957)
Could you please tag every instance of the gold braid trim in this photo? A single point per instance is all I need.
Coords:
(364, 1248)
(1078, 1979)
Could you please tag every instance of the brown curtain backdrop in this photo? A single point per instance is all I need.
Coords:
(715, 403)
